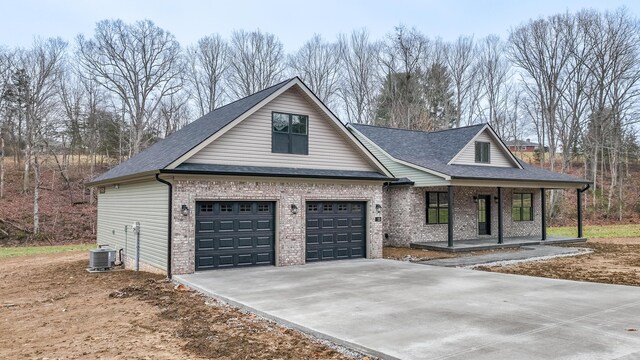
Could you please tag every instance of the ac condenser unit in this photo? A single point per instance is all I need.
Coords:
(101, 259)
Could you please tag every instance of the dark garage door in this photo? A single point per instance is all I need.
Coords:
(230, 234)
(335, 230)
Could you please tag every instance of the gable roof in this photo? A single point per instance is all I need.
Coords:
(435, 150)
(168, 153)
(519, 142)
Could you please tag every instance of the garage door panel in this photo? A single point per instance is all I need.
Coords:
(231, 234)
(264, 225)
(327, 223)
(205, 226)
(313, 239)
(204, 244)
(335, 230)
(264, 241)
(342, 238)
(313, 223)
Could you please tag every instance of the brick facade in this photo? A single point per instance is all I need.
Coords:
(405, 215)
(290, 228)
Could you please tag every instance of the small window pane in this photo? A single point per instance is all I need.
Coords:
(245, 207)
(312, 207)
(343, 207)
(442, 198)
(432, 216)
(517, 201)
(526, 200)
(327, 207)
(515, 214)
(299, 124)
(444, 216)
(526, 214)
(433, 200)
(263, 207)
(226, 208)
(356, 208)
(280, 123)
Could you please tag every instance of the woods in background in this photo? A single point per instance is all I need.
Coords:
(571, 80)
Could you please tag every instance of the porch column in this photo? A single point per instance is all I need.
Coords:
(579, 195)
(500, 227)
(450, 217)
(543, 212)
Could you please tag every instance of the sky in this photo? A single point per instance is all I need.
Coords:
(293, 22)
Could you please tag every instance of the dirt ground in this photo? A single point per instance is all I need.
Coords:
(51, 307)
(409, 254)
(613, 261)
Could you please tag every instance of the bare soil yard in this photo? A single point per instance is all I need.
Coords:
(50, 307)
(613, 261)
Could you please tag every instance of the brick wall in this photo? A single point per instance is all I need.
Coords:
(290, 228)
(405, 215)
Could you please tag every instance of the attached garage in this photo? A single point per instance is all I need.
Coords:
(232, 234)
(335, 230)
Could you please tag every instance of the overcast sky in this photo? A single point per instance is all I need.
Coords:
(292, 21)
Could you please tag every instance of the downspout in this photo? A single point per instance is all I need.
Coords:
(170, 222)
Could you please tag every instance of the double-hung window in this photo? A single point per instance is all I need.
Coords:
(522, 207)
(437, 208)
(482, 152)
(289, 133)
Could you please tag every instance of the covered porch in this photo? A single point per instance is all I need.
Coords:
(484, 215)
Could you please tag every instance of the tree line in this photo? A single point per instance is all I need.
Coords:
(570, 79)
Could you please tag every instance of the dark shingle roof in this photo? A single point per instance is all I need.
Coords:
(434, 150)
(216, 169)
(168, 150)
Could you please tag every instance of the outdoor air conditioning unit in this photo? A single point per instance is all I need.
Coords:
(101, 259)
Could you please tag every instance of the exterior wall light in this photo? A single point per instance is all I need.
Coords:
(116, 186)
(378, 208)
(475, 199)
(294, 209)
(184, 210)
(495, 198)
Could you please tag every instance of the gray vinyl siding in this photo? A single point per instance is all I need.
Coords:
(249, 142)
(419, 177)
(497, 156)
(145, 202)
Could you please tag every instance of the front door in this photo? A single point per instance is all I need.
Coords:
(484, 215)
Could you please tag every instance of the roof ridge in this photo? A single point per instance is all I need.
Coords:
(419, 131)
(255, 93)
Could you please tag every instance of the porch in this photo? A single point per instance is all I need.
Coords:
(492, 243)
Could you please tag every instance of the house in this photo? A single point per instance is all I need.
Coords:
(271, 179)
(527, 146)
(459, 184)
(277, 179)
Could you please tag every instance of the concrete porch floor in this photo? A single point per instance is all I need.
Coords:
(492, 243)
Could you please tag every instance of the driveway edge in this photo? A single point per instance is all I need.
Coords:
(306, 330)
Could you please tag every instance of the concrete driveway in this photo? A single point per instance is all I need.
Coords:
(394, 309)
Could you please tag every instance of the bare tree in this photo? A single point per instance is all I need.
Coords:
(5, 75)
(460, 60)
(494, 74)
(357, 90)
(257, 62)
(208, 61)
(139, 63)
(318, 64)
(543, 49)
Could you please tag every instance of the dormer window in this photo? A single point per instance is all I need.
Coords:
(289, 133)
(482, 152)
